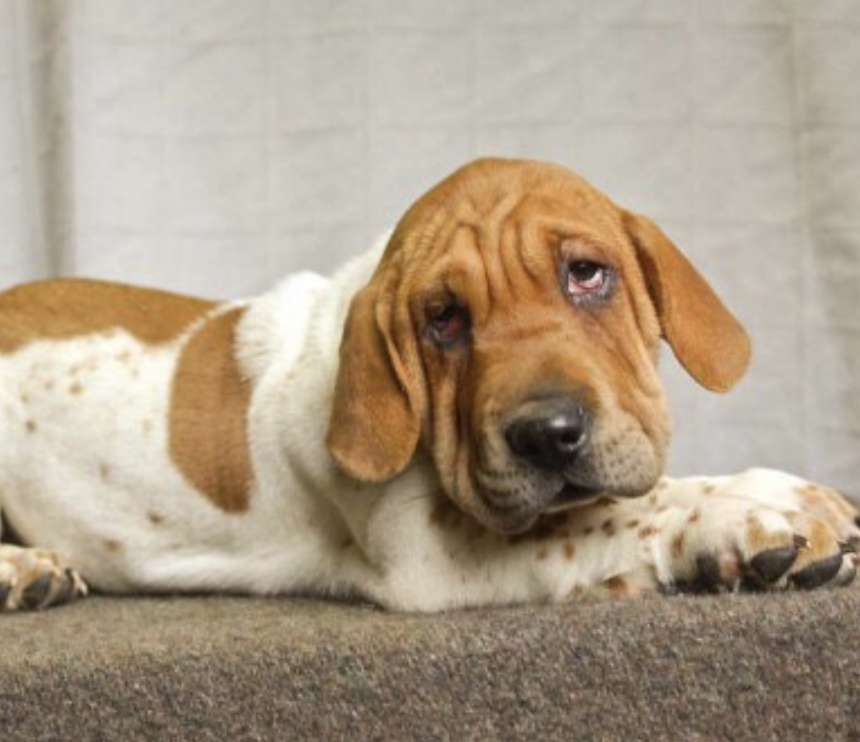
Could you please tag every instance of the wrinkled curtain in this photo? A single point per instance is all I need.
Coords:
(211, 146)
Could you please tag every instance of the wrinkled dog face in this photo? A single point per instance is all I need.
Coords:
(512, 326)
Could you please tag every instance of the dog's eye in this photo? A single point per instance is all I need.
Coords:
(447, 323)
(585, 277)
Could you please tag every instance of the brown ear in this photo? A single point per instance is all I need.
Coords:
(705, 337)
(374, 425)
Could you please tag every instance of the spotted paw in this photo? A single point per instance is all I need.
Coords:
(34, 579)
(731, 545)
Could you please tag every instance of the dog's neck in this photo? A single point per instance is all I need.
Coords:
(288, 346)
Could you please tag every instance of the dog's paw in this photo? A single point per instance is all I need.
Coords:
(730, 545)
(785, 491)
(33, 579)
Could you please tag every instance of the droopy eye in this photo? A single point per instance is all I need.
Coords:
(447, 323)
(586, 278)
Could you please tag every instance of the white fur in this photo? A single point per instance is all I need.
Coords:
(83, 474)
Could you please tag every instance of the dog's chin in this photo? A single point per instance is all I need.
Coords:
(511, 521)
(520, 517)
(508, 523)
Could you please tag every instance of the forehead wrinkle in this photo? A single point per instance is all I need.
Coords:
(465, 273)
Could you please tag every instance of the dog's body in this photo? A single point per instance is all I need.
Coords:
(162, 443)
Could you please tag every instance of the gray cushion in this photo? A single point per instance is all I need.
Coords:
(733, 667)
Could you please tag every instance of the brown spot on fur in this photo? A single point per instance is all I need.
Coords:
(31, 426)
(444, 514)
(694, 515)
(588, 530)
(648, 531)
(678, 545)
(104, 472)
(545, 527)
(608, 527)
(709, 489)
(569, 550)
(758, 538)
(208, 436)
(617, 586)
(155, 518)
(112, 545)
(632, 523)
(346, 542)
(541, 554)
(25, 398)
(75, 388)
(70, 307)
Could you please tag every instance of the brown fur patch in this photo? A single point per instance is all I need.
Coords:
(75, 388)
(541, 554)
(709, 489)
(155, 518)
(546, 526)
(104, 472)
(112, 545)
(694, 515)
(608, 527)
(758, 538)
(208, 436)
(648, 531)
(633, 523)
(32, 427)
(678, 545)
(617, 586)
(569, 550)
(66, 308)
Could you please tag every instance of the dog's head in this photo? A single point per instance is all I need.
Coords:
(512, 328)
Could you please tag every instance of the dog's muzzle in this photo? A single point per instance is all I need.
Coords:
(550, 435)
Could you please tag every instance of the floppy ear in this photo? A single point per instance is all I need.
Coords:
(374, 425)
(705, 337)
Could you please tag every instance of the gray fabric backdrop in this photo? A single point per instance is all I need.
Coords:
(211, 146)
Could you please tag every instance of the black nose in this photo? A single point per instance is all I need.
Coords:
(549, 434)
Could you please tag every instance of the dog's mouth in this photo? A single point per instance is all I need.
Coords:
(519, 517)
(571, 495)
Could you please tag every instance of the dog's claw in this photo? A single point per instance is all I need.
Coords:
(818, 573)
(772, 564)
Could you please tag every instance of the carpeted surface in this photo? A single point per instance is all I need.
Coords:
(738, 667)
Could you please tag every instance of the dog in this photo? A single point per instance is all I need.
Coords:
(469, 414)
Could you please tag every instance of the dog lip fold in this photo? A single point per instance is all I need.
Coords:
(571, 494)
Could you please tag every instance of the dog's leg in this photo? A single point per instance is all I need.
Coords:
(760, 530)
(700, 534)
(33, 579)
